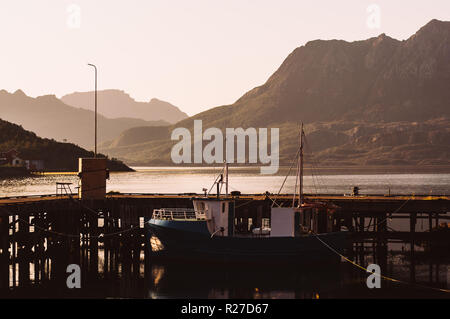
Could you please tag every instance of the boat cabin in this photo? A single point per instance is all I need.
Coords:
(219, 214)
(222, 220)
(314, 218)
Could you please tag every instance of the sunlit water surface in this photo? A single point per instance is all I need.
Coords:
(193, 180)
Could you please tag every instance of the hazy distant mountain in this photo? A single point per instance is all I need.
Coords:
(377, 101)
(338, 143)
(138, 135)
(49, 117)
(117, 103)
(56, 155)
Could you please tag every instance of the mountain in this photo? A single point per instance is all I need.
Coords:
(56, 156)
(117, 103)
(49, 117)
(141, 145)
(379, 79)
(378, 101)
(336, 143)
(138, 135)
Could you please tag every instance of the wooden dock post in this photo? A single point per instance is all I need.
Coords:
(382, 245)
(92, 245)
(39, 259)
(412, 230)
(70, 217)
(361, 245)
(23, 248)
(4, 250)
(13, 249)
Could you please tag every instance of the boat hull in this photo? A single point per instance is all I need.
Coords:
(175, 241)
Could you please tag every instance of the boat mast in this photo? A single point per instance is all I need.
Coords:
(226, 178)
(299, 174)
(300, 192)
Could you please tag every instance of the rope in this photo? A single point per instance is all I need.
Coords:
(77, 236)
(245, 203)
(395, 211)
(273, 201)
(315, 168)
(381, 276)
(91, 210)
(287, 175)
(70, 235)
(215, 181)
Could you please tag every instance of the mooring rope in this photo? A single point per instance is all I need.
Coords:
(246, 203)
(380, 275)
(395, 211)
(70, 235)
(78, 236)
(93, 211)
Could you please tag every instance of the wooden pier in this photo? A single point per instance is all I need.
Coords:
(33, 230)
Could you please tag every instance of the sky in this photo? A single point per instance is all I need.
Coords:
(195, 54)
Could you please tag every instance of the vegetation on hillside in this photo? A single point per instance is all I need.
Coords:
(56, 155)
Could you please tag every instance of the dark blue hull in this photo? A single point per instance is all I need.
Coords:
(175, 241)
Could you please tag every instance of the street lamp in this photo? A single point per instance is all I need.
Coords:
(95, 154)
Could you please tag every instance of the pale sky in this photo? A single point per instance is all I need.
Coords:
(196, 54)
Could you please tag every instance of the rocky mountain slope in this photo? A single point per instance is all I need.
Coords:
(374, 102)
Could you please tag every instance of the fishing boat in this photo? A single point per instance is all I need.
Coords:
(209, 232)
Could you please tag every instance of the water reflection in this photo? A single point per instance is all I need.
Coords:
(115, 274)
(255, 282)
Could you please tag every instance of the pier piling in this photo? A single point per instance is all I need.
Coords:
(45, 234)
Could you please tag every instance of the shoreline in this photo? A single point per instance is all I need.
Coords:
(19, 172)
(13, 172)
(325, 170)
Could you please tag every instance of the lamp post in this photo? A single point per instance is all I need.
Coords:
(95, 68)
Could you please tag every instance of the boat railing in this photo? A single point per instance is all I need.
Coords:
(178, 214)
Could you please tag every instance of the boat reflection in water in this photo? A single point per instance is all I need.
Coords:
(197, 281)
(115, 275)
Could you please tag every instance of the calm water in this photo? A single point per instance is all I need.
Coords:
(148, 280)
(162, 281)
(193, 180)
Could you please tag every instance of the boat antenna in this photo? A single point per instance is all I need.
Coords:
(226, 177)
(219, 185)
(299, 175)
(217, 181)
(300, 192)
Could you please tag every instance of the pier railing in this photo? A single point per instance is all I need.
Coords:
(178, 214)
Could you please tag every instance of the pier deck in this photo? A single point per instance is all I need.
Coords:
(432, 201)
(35, 229)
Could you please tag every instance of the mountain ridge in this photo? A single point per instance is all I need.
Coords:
(370, 86)
(49, 117)
(118, 103)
